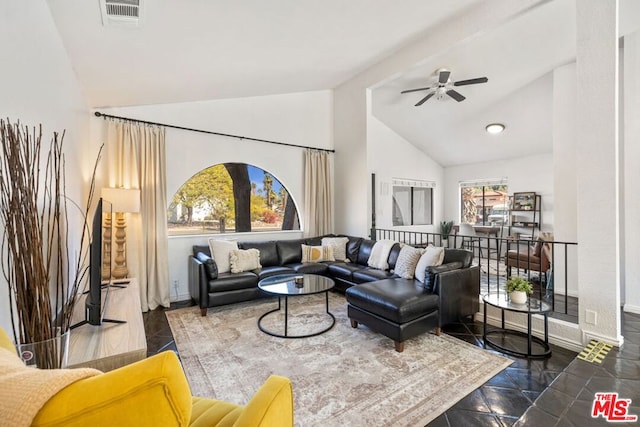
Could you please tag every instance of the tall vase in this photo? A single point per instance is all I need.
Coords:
(47, 354)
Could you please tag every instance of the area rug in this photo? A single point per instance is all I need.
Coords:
(344, 377)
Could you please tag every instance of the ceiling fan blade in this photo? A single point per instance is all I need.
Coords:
(416, 90)
(455, 95)
(444, 77)
(424, 99)
(471, 81)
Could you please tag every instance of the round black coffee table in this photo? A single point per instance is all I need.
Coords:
(291, 285)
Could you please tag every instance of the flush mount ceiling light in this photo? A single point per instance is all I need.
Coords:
(495, 128)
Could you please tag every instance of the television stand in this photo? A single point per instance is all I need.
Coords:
(114, 343)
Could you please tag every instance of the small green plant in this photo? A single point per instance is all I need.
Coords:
(445, 228)
(517, 283)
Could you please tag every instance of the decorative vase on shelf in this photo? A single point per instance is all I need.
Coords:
(47, 354)
(518, 297)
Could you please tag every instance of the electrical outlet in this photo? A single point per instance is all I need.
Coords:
(591, 317)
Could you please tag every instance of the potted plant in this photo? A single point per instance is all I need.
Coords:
(518, 288)
(445, 231)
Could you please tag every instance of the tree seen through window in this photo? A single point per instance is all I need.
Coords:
(231, 197)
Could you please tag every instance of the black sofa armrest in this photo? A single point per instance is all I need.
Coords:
(459, 291)
(198, 283)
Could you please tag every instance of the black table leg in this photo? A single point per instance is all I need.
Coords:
(529, 334)
(484, 326)
(286, 314)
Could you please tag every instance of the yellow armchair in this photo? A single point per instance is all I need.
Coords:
(155, 392)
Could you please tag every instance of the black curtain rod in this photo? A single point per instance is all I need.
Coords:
(99, 114)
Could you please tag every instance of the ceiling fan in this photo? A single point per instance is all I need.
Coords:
(444, 87)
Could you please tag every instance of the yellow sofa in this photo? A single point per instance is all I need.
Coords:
(155, 392)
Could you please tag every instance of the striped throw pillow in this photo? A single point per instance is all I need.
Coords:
(317, 253)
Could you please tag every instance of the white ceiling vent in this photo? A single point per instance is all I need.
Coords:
(127, 13)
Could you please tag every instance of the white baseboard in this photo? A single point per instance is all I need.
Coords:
(588, 336)
(555, 339)
(629, 308)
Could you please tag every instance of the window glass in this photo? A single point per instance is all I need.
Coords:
(484, 204)
(412, 205)
(231, 197)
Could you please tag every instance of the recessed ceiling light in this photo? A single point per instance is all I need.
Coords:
(495, 128)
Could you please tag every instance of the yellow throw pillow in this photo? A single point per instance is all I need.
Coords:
(317, 253)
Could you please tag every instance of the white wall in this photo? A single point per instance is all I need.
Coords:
(524, 174)
(631, 156)
(598, 174)
(38, 86)
(351, 113)
(410, 163)
(299, 118)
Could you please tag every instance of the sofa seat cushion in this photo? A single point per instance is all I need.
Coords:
(344, 270)
(233, 281)
(273, 271)
(369, 274)
(310, 267)
(397, 300)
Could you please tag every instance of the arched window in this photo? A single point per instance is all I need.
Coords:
(231, 198)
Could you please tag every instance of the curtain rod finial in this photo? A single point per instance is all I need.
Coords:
(97, 114)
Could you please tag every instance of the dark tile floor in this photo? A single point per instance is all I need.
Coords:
(557, 391)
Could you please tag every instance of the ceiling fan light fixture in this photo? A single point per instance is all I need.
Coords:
(494, 128)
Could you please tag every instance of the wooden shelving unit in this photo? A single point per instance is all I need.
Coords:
(524, 223)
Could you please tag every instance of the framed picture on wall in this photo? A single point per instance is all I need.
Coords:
(524, 201)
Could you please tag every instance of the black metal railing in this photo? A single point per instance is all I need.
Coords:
(549, 265)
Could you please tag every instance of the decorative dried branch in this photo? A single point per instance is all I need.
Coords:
(35, 243)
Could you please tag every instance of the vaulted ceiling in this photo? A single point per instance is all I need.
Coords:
(194, 50)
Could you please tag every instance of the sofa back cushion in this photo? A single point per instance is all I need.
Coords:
(313, 241)
(463, 255)
(353, 246)
(201, 248)
(365, 251)
(393, 256)
(268, 251)
(290, 251)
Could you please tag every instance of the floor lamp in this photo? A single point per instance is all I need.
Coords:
(123, 201)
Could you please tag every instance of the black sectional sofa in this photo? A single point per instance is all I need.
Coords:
(456, 283)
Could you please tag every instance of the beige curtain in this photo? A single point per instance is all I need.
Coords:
(136, 157)
(318, 198)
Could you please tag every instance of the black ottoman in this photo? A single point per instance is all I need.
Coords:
(397, 308)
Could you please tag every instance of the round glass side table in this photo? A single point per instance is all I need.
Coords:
(510, 341)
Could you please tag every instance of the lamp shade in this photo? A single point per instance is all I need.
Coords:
(122, 199)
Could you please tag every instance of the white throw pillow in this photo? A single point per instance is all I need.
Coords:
(407, 261)
(339, 245)
(433, 256)
(220, 251)
(244, 260)
(317, 253)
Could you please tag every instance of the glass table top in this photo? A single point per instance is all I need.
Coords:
(285, 284)
(533, 305)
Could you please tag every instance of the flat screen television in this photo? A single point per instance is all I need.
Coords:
(99, 267)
